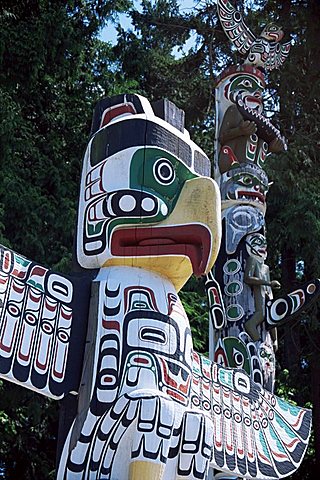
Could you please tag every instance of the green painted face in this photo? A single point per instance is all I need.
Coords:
(159, 176)
(237, 353)
(247, 83)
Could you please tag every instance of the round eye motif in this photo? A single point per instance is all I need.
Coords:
(163, 171)
(238, 358)
(246, 180)
(246, 83)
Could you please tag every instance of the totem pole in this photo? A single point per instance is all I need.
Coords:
(244, 334)
(113, 340)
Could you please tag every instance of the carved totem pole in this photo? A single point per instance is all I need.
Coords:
(113, 341)
(139, 403)
(245, 336)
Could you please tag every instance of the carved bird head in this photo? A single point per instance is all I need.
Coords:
(144, 201)
(272, 32)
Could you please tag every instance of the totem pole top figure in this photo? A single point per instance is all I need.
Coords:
(264, 51)
(152, 213)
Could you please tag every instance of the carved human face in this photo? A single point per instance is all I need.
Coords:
(246, 89)
(257, 246)
(267, 361)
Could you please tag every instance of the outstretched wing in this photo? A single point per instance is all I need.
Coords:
(285, 308)
(277, 55)
(42, 325)
(234, 26)
(256, 434)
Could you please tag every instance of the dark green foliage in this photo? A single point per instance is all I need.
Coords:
(194, 300)
(53, 69)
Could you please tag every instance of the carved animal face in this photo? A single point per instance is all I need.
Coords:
(246, 184)
(144, 200)
(245, 88)
(272, 32)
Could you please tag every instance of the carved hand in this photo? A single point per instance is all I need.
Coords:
(275, 284)
(247, 128)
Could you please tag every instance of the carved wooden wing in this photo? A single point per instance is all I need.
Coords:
(284, 309)
(277, 55)
(234, 26)
(42, 325)
(255, 433)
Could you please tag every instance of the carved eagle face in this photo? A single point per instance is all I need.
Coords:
(272, 32)
(144, 201)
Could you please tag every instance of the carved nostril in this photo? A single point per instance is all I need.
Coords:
(127, 203)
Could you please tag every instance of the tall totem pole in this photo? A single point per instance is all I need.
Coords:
(245, 336)
(112, 340)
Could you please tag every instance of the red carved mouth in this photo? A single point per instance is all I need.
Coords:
(251, 195)
(192, 241)
(254, 102)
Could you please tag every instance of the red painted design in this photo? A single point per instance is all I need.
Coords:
(114, 112)
(111, 325)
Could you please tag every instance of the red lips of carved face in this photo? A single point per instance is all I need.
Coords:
(193, 241)
(253, 101)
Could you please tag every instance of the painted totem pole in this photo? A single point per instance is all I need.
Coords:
(244, 334)
(113, 341)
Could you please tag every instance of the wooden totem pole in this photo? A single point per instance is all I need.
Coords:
(245, 335)
(113, 341)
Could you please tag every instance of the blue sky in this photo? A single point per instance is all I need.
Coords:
(109, 33)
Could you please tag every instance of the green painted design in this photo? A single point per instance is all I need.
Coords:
(145, 177)
(36, 285)
(262, 155)
(233, 288)
(251, 148)
(276, 438)
(22, 261)
(246, 83)
(145, 171)
(286, 407)
(284, 426)
(264, 445)
(95, 229)
(234, 312)
(231, 267)
(226, 377)
(237, 353)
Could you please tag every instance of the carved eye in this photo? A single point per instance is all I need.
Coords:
(238, 358)
(164, 171)
(246, 180)
(246, 83)
(251, 57)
